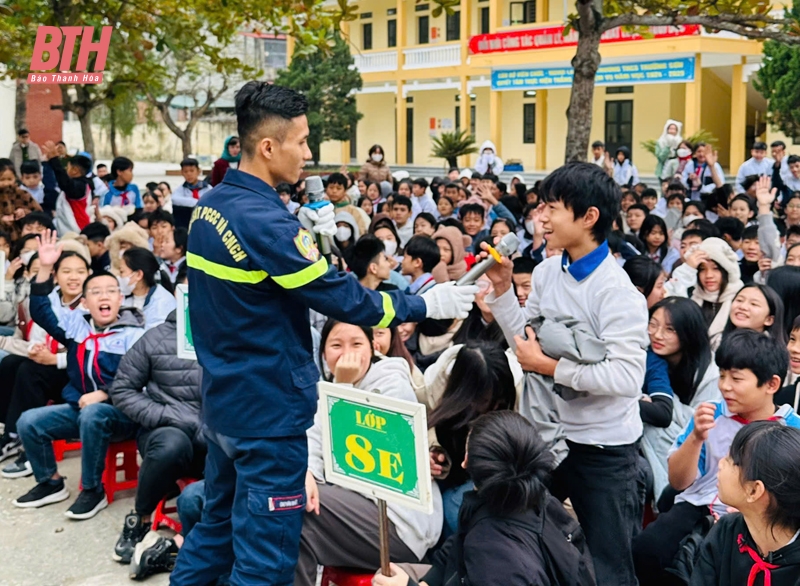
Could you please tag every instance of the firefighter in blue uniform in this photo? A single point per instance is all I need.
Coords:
(254, 272)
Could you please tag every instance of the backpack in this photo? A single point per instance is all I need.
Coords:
(689, 550)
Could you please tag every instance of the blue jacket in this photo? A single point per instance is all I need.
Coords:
(254, 272)
(92, 357)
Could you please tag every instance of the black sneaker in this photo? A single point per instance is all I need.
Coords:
(9, 447)
(19, 469)
(152, 555)
(133, 531)
(44, 493)
(88, 504)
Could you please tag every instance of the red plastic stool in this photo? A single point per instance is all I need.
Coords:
(62, 446)
(346, 577)
(129, 466)
(161, 516)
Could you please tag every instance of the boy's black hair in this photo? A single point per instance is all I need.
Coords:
(22, 131)
(264, 109)
(792, 160)
(698, 204)
(777, 144)
(421, 182)
(598, 144)
(749, 181)
(524, 264)
(96, 232)
(428, 217)
(452, 222)
(490, 177)
(732, 227)
(502, 188)
(708, 229)
(190, 163)
(82, 162)
(37, 217)
(455, 186)
(476, 175)
(750, 233)
(160, 215)
(337, 179)
(365, 252)
(284, 188)
(641, 184)
(649, 192)
(472, 208)
(641, 207)
(759, 146)
(183, 271)
(424, 248)
(580, 186)
(151, 186)
(759, 353)
(402, 200)
(5, 236)
(625, 192)
(97, 275)
(676, 186)
(793, 231)
(99, 165)
(29, 168)
(679, 196)
(181, 238)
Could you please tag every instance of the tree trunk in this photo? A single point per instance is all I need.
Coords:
(186, 144)
(112, 116)
(21, 112)
(452, 162)
(585, 64)
(85, 118)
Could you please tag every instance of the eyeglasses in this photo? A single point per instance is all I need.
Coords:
(654, 327)
(98, 292)
(794, 206)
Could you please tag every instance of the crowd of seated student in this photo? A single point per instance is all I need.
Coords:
(698, 314)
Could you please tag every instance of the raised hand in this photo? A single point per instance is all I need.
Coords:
(49, 250)
(764, 195)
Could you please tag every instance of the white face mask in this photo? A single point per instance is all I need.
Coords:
(125, 286)
(529, 226)
(377, 157)
(343, 233)
(390, 247)
(25, 257)
(683, 153)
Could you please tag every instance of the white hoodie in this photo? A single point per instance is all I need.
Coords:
(488, 163)
(418, 531)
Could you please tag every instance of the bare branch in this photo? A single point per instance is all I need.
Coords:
(750, 26)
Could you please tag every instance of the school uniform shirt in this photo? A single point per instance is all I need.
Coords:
(100, 187)
(155, 305)
(596, 291)
(125, 196)
(405, 233)
(172, 268)
(102, 263)
(37, 192)
(670, 259)
(92, 355)
(421, 284)
(187, 194)
(729, 557)
(703, 491)
(753, 167)
(790, 182)
(703, 172)
(423, 204)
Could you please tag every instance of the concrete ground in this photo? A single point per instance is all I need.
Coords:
(42, 547)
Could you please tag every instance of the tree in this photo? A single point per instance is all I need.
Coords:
(329, 82)
(778, 80)
(749, 18)
(451, 145)
(21, 113)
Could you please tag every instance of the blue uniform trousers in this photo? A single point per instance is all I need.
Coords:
(253, 514)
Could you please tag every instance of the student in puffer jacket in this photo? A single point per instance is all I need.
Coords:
(161, 393)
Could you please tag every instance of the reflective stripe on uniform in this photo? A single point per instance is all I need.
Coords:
(304, 277)
(223, 272)
(388, 311)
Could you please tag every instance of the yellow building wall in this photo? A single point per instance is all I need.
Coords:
(557, 102)
(437, 104)
(330, 152)
(380, 35)
(715, 115)
(482, 132)
(378, 125)
(513, 147)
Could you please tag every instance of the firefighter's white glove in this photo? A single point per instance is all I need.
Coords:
(449, 301)
(319, 220)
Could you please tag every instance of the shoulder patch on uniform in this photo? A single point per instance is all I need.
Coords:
(306, 246)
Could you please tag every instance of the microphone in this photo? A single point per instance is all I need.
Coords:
(316, 199)
(507, 246)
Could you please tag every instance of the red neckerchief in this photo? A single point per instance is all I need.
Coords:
(82, 355)
(78, 207)
(759, 565)
(743, 421)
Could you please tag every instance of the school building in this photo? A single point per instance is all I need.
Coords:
(502, 69)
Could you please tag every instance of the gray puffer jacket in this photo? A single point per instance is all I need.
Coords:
(154, 387)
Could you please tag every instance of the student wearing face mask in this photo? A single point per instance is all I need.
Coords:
(375, 168)
(145, 286)
(347, 233)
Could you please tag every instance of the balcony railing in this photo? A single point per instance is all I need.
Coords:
(374, 62)
(435, 56)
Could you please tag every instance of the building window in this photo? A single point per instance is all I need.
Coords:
(529, 123)
(621, 89)
(454, 26)
(391, 33)
(484, 20)
(619, 125)
(423, 30)
(472, 118)
(458, 118)
(522, 12)
(366, 36)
